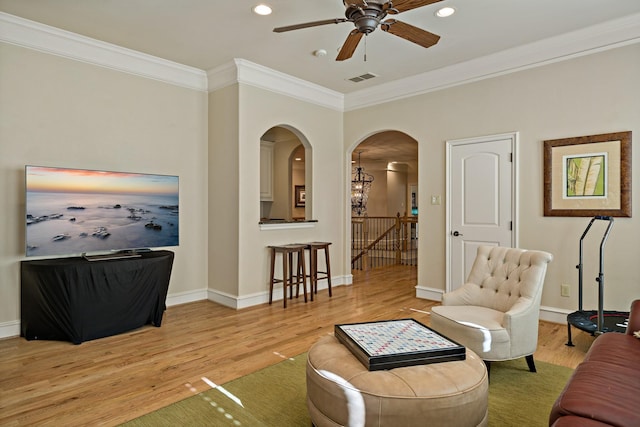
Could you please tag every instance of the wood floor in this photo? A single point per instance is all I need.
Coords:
(115, 379)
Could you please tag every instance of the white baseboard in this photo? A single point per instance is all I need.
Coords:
(222, 298)
(429, 293)
(10, 329)
(186, 297)
(245, 301)
(554, 315)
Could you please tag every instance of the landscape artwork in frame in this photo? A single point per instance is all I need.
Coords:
(588, 175)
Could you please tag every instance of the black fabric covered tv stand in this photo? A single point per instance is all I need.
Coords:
(72, 299)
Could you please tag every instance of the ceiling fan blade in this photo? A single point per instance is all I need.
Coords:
(409, 32)
(404, 5)
(349, 45)
(309, 24)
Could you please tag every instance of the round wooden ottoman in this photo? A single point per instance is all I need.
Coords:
(342, 392)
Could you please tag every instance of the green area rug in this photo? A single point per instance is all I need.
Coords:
(276, 396)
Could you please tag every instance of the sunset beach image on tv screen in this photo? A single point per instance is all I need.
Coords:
(79, 211)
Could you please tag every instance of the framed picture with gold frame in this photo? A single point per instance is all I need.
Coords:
(588, 175)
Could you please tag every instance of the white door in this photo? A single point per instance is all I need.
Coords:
(481, 202)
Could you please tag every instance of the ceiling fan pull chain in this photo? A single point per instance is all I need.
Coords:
(366, 36)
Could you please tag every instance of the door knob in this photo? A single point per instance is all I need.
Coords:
(456, 234)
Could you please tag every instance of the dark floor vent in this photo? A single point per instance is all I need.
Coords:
(363, 77)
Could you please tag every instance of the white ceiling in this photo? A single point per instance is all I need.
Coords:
(209, 33)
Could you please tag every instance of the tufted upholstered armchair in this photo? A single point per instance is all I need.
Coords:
(495, 313)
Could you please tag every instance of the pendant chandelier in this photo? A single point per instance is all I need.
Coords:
(360, 187)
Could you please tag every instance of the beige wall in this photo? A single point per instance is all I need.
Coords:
(245, 272)
(282, 181)
(583, 96)
(59, 112)
(397, 190)
(223, 197)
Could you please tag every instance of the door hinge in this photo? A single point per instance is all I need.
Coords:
(510, 225)
(510, 157)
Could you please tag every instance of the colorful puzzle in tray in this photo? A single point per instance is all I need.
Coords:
(395, 337)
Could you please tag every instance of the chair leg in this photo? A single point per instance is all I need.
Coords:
(285, 273)
(273, 266)
(530, 363)
(303, 275)
(297, 274)
(328, 263)
(313, 271)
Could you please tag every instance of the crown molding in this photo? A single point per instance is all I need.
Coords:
(276, 81)
(587, 41)
(34, 35)
(247, 72)
(222, 76)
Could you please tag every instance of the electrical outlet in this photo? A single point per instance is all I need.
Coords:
(565, 290)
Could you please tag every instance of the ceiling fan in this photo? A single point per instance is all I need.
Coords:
(366, 15)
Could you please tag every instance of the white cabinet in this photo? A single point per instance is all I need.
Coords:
(266, 171)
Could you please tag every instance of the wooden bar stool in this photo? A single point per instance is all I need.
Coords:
(289, 279)
(313, 248)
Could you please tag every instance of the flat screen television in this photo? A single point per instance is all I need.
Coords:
(80, 211)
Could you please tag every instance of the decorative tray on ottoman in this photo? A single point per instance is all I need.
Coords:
(389, 344)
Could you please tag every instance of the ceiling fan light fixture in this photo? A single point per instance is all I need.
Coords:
(366, 16)
(262, 9)
(445, 12)
(360, 187)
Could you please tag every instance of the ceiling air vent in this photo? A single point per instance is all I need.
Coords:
(361, 78)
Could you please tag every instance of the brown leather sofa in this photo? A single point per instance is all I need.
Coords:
(604, 390)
